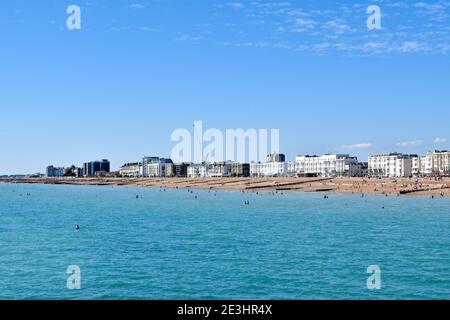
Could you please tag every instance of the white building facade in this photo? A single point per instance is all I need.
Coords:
(392, 165)
(416, 165)
(198, 170)
(440, 162)
(131, 170)
(162, 170)
(157, 167)
(269, 169)
(432, 164)
(329, 165)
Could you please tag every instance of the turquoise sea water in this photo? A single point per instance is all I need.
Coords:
(169, 245)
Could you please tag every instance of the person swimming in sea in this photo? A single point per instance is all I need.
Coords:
(77, 227)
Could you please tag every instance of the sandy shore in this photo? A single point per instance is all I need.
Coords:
(423, 186)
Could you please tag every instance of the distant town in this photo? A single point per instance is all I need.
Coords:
(392, 165)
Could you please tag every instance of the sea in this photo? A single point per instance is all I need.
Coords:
(144, 243)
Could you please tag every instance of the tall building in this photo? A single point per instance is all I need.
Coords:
(146, 161)
(157, 167)
(161, 170)
(90, 169)
(415, 165)
(54, 172)
(105, 165)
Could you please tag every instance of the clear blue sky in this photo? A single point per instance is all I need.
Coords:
(137, 70)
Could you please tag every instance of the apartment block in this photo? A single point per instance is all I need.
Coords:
(157, 167)
(329, 165)
(131, 170)
(54, 172)
(392, 165)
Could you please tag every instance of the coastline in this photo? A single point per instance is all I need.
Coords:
(403, 186)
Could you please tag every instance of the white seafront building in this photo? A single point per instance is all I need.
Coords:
(432, 164)
(275, 166)
(157, 167)
(391, 165)
(131, 170)
(160, 170)
(440, 162)
(397, 165)
(416, 165)
(268, 169)
(328, 165)
(218, 170)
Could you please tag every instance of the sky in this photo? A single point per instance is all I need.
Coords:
(138, 70)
